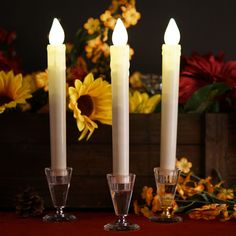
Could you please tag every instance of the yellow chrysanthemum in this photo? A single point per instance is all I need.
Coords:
(13, 90)
(184, 165)
(92, 25)
(142, 103)
(90, 101)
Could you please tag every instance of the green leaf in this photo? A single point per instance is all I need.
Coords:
(81, 39)
(186, 205)
(205, 99)
(200, 197)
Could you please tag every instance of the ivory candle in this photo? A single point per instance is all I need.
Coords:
(57, 95)
(120, 99)
(171, 51)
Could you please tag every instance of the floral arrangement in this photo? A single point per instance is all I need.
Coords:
(200, 198)
(207, 82)
(87, 75)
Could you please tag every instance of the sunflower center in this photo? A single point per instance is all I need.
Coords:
(4, 99)
(85, 104)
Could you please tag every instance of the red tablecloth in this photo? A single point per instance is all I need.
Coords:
(91, 224)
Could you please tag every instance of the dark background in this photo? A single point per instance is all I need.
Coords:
(204, 25)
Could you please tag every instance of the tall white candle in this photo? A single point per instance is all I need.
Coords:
(120, 99)
(57, 95)
(171, 51)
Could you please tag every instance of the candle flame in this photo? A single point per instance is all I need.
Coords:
(56, 34)
(119, 36)
(172, 34)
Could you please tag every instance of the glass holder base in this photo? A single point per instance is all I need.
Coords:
(59, 218)
(116, 226)
(162, 219)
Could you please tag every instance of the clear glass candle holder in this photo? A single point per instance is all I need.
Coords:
(59, 184)
(121, 189)
(166, 182)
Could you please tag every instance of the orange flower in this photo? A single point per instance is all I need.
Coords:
(208, 212)
(225, 194)
(207, 182)
(180, 190)
(175, 206)
(131, 52)
(135, 80)
(156, 205)
(114, 6)
(92, 25)
(137, 209)
(147, 212)
(108, 20)
(95, 48)
(184, 165)
(147, 194)
(130, 15)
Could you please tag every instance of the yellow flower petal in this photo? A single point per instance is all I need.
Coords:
(90, 101)
(14, 90)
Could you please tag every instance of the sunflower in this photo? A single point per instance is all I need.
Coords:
(13, 90)
(90, 101)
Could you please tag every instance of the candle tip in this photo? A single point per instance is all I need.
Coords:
(119, 36)
(172, 34)
(56, 34)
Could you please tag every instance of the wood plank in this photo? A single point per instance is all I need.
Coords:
(220, 153)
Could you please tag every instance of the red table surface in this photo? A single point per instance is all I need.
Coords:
(91, 223)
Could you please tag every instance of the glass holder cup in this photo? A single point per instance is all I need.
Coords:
(59, 183)
(166, 182)
(121, 189)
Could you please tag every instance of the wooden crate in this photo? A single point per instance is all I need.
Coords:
(220, 142)
(207, 140)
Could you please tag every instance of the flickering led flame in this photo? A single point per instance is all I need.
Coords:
(119, 36)
(56, 34)
(172, 34)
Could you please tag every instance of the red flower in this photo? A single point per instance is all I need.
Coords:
(76, 72)
(7, 37)
(8, 58)
(200, 70)
(7, 64)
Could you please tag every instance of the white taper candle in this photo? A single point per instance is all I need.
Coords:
(171, 51)
(120, 99)
(57, 95)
